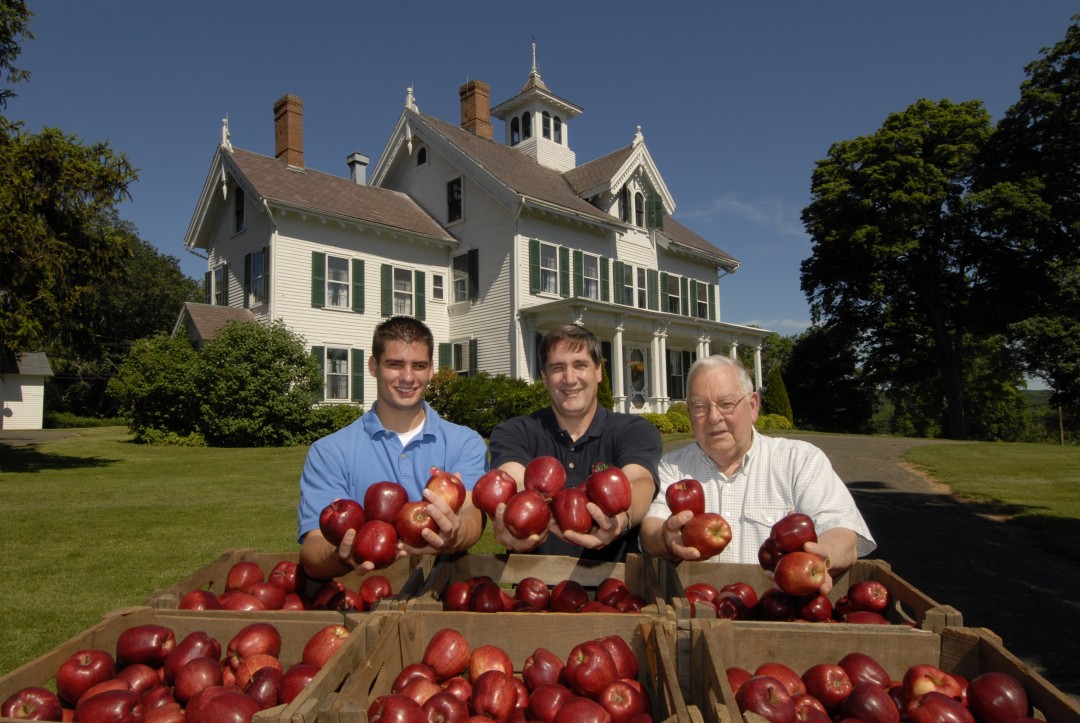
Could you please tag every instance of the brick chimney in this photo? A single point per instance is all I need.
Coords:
(289, 130)
(476, 108)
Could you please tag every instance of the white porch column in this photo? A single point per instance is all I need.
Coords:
(662, 370)
(733, 352)
(757, 367)
(654, 373)
(618, 388)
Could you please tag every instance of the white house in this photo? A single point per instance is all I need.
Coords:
(491, 243)
(22, 390)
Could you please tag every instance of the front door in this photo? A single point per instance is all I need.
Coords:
(637, 378)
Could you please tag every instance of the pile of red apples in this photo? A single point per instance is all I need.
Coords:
(481, 594)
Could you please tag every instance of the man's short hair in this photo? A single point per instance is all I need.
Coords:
(575, 337)
(405, 329)
(718, 361)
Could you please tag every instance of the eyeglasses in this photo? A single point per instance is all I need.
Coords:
(701, 409)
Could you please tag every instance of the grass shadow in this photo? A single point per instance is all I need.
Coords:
(29, 458)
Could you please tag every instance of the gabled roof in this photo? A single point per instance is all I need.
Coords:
(687, 241)
(33, 363)
(597, 172)
(304, 188)
(204, 321)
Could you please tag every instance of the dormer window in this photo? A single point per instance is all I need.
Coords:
(558, 130)
(526, 126)
(515, 131)
(238, 211)
(421, 156)
(639, 210)
(546, 125)
(624, 205)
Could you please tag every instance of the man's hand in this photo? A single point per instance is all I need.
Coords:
(511, 543)
(449, 529)
(603, 533)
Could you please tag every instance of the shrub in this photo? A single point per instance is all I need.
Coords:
(661, 421)
(679, 417)
(482, 400)
(767, 422)
(156, 389)
(329, 418)
(776, 399)
(69, 420)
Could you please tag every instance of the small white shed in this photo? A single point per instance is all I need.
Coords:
(22, 390)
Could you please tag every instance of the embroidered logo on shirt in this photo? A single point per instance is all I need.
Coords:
(600, 466)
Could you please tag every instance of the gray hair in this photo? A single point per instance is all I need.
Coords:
(718, 361)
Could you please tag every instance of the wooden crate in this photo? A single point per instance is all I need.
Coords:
(509, 569)
(719, 644)
(519, 634)
(296, 627)
(406, 578)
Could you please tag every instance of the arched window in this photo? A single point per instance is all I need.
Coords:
(421, 156)
(639, 210)
(515, 131)
(558, 129)
(526, 126)
(547, 125)
(624, 205)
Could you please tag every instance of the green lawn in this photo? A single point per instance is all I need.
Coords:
(93, 523)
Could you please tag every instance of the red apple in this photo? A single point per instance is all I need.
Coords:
(242, 573)
(382, 501)
(253, 664)
(799, 573)
(997, 697)
(447, 653)
(869, 595)
(33, 703)
(730, 606)
(322, 645)
(766, 696)
(862, 668)
(829, 683)
(420, 690)
(197, 644)
(582, 710)
(775, 605)
(411, 672)
(546, 475)
(200, 600)
(412, 519)
(294, 601)
(289, 576)
(745, 591)
(447, 486)
(545, 701)
(568, 506)
(709, 533)
(936, 707)
(488, 657)
(149, 644)
(394, 708)
(526, 514)
(787, 676)
(589, 667)
(495, 487)
(159, 695)
(623, 701)
(925, 678)
(568, 596)
(631, 603)
(610, 490)
(768, 555)
(792, 532)
(457, 596)
(240, 600)
(374, 588)
(197, 673)
(541, 668)
(444, 707)
(487, 597)
(608, 586)
(815, 608)
(294, 680)
(687, 494)
(626, 663)
(494, 695)
(459, 687)
(264, 686)
(112, 706)
(325, 593)
(871, 703)
(270, 595)
(705, 590)
(82, 670)
(102, 687)
(253, 638)
(736, 676)
(376, 542)
(339, 517)
(230, 706)
(534, 591)
(865, 617)
(139, 677)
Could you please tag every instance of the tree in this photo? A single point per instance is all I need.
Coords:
(896, 250)
(776, 399)
(14, 26)
(825, 385)
(155, 388)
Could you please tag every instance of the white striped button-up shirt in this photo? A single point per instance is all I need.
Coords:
(777, 476)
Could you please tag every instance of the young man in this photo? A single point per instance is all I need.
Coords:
(750, 479)
(399, 439)
(584, 437)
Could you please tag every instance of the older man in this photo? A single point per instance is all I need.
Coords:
(750, 479)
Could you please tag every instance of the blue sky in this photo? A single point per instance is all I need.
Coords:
(736, 100)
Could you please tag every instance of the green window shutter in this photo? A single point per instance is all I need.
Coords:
(446, 355)
(617, 282)
(564, 271)
(208, 287)
(712, 302)
(358, 286)
(318, 279)
(319, 353)
(654, 211)
(693, 298)
(473, 259)
(474, 357)
(247, 280)
(685, 300)
(357, 381)
(419, 309)
(605, 282)
(387, 274)
(579, 273)
(266, 273)
(534, 266)
(664, 279)
(225, 281)
(652, 298)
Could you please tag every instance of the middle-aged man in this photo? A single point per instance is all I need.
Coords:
(584, 436)
(399, 439)
(750, 479)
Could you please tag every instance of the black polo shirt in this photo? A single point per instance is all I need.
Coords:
(613, 439)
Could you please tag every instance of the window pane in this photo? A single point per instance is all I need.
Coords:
(403, 279)
(436, 286)
(337, 373)
(642, 302)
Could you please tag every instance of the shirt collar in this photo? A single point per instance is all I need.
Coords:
(374, 428)
(596, 426)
